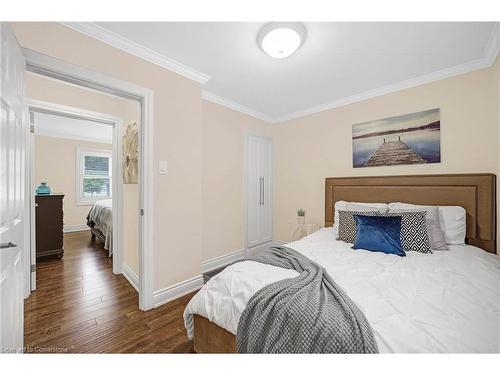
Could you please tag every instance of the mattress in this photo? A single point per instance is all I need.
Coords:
(445, 302)
(102, 215)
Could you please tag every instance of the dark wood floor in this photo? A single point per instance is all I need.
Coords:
(80, 306)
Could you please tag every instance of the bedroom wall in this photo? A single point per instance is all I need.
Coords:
(223, 177)
(177, 138)
(131, 199)
(55, 163)
(199, 203)
(49, 90)
(496, 70)
(313, 147)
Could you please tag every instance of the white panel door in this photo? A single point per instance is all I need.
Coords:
(253, 191)
(259, 191)
(13, 136)
(265, 214)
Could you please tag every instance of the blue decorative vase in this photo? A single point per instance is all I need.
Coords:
(43, 189)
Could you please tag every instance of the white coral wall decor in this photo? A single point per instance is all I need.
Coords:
(130, 157)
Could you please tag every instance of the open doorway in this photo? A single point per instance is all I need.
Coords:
(60, 71)
(78, 153)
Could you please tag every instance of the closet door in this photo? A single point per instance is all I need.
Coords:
(253, 191)
(265, 208)
(259, 191)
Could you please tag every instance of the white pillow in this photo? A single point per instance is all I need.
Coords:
(453, 224)
(355, 206)
(452, 220)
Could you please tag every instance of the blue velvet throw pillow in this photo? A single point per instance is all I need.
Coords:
(379, 234)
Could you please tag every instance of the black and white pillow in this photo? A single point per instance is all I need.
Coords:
(414, 235)
(347, 224)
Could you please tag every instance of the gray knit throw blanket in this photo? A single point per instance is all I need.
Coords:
(306, 314)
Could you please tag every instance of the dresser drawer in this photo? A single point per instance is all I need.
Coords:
(49, 225)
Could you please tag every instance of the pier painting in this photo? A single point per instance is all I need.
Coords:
(414, 138)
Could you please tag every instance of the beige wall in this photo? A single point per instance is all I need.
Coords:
(177, 138)
(55, 163)
(131, 200)
(311, 148)
(53, 91)
(496, 82)
(199, 203)
(223, 177)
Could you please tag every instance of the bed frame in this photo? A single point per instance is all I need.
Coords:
(475, 192)
(96, 232)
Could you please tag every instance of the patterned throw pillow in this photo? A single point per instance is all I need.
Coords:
(414, 235)
(347, 224)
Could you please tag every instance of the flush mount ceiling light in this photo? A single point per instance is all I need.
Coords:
(281, 39)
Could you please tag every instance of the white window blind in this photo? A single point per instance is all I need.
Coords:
(95, 172)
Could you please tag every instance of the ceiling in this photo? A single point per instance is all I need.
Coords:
(339, 62)
(71, 128)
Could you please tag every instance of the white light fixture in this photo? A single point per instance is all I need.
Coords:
(281, 39)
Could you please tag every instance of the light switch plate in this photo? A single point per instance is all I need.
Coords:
(163, 166)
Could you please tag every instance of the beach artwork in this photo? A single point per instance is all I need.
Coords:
(414, 138)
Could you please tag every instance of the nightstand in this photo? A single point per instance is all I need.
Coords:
(301, 230)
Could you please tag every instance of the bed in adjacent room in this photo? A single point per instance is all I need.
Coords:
(444, 301)
(100, 222)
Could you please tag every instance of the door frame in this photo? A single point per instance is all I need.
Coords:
(38, 106)
(56, 69)
(246, 161)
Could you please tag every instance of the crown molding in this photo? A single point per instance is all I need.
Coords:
(211, 97)
(388, 89)
(491, 51)
(488, 59)
(124, 44)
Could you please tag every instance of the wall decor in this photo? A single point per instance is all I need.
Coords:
(414, 138)
(130, 154)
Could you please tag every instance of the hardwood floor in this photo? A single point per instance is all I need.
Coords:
(80, 306)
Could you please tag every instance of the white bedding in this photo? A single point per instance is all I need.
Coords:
(448, 301)
(102, 215)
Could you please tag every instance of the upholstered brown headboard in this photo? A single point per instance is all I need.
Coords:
(474, 192)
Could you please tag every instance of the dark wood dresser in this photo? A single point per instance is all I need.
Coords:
(49, 225)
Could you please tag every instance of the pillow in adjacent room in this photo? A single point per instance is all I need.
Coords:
(379, 234)
(413, 231)
(347, 224)
(355, 206)
(436, 236)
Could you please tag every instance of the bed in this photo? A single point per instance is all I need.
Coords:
(100, 222)
(445, 302)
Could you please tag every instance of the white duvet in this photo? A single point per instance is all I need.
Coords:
(448, 301)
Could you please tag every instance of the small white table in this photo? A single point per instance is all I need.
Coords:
(301, 230)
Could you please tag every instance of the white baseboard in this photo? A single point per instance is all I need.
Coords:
(257, 249)
(175, 291)
(178, 290)
(75, 228)
(221, 261)
(279, 243)
(130, 275)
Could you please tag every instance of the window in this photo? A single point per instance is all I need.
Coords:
(94, 176)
